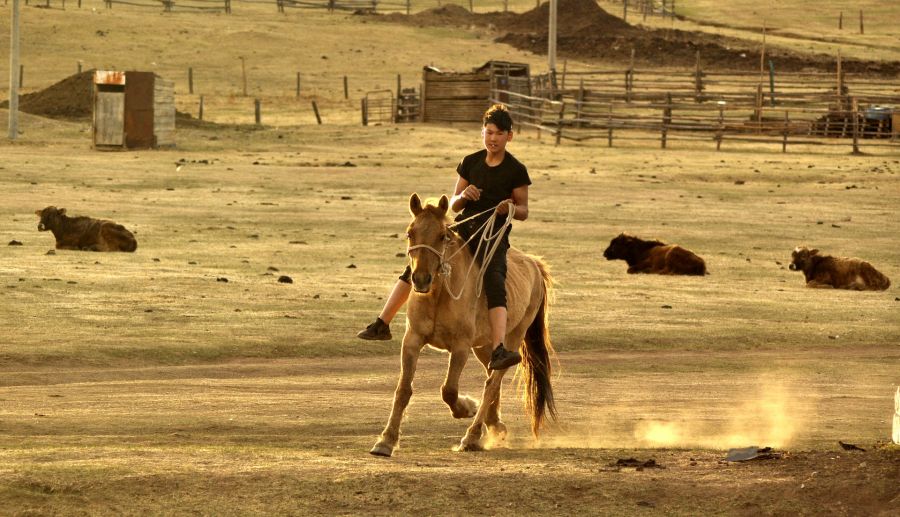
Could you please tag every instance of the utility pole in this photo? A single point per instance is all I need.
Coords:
(14, 71)
(551, 40)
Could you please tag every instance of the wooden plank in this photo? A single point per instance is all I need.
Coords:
(454, 77)
(109, 118)
(469, 89)
(164, 112)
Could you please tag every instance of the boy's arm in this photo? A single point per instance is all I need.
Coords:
(520, 202)
(463, 192)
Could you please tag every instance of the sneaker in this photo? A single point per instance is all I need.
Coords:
(502, 358)
(378, 330)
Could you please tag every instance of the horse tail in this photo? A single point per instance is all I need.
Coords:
(538, 393)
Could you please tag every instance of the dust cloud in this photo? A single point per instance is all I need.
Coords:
(766, 414)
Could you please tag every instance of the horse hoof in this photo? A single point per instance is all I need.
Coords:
(469, 447)
(468, 407)
(381, 449)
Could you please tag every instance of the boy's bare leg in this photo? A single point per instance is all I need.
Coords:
(399, 295)
(501, 358)
(380, 330)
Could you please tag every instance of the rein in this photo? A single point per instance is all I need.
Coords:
(491, 242)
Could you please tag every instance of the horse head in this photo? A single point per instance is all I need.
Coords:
(427, 237)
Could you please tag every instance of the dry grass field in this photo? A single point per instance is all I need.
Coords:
(143, 384)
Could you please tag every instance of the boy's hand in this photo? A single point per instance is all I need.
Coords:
(504, 206)
(471, 193)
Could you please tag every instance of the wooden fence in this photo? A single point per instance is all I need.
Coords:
(808, 109)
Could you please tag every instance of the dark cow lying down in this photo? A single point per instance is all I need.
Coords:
(85, 233)
(837, 272)
(654, 257)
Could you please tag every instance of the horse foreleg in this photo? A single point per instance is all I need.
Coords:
(460, 407)
(472, 441)
(409, 356)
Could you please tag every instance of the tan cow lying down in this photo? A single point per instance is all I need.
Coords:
(85, 233)
(837, 272)
(654, 257)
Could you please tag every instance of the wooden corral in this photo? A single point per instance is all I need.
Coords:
(133, 110)
(464, 96)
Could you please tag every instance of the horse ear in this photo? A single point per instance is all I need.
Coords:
(61, 211)
(813, 251)
(415, 204)
(38, 212)
(444, 203)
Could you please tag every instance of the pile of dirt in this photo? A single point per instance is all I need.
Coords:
(68, 99)
(587, 32)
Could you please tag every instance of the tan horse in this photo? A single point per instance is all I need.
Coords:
(439, 259)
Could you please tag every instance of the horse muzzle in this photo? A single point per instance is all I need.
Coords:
(41, 227)
(422, 282)
(793, 267)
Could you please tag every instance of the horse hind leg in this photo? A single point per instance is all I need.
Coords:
(474, 438)
(495, 427)
(460, 406)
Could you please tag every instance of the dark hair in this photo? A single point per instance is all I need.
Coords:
(499, 116)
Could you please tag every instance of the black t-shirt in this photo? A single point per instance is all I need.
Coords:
(496, 183)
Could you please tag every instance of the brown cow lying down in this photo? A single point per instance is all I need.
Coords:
(85, 233)
(654, 257)
(837, 272)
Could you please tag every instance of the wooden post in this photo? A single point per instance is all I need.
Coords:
(578, 103)
(785, 132)
(720, 130)
(257, 112)
(408, 6)
(841, 21)
(772, 82)
(629, 78)
(364, 109)
(505, 6)
(625, 11)
(609, 127)
(861, 31)
(191, 80)
(758, 113)
(13, 127)
(667, 119)
(316, 111)
(855, 106)
(346, 89)
(200, 116)
(698, 81)
(244, 74)
(79, 67)
(559, 123)
(21, 76)
(563, 82)
(471, 6)
(298, 85)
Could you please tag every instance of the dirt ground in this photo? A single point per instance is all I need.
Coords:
(138, 383)
(185, 379)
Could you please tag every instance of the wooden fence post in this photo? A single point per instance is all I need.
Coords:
(578, 103)
(698, 81)
(841, 21)
(785, 132)
(667, 119)
(257, 112)
(471, 6)
(609, 126)
(861, 31)
(408, 2)
(365, 111)
(625, 11)
(316, 111)
(79, 67)
(559, 123)
(21, 75)
(346, 89)
(298, 85)
(720, 130)
(855, 106)
(629, 78)
(227, 6)
(191, 80)
(200, 116)
(563, 82)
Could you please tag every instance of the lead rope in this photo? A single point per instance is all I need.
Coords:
(490, 242)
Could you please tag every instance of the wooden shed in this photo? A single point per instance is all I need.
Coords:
(133, 110)
(464, 96)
